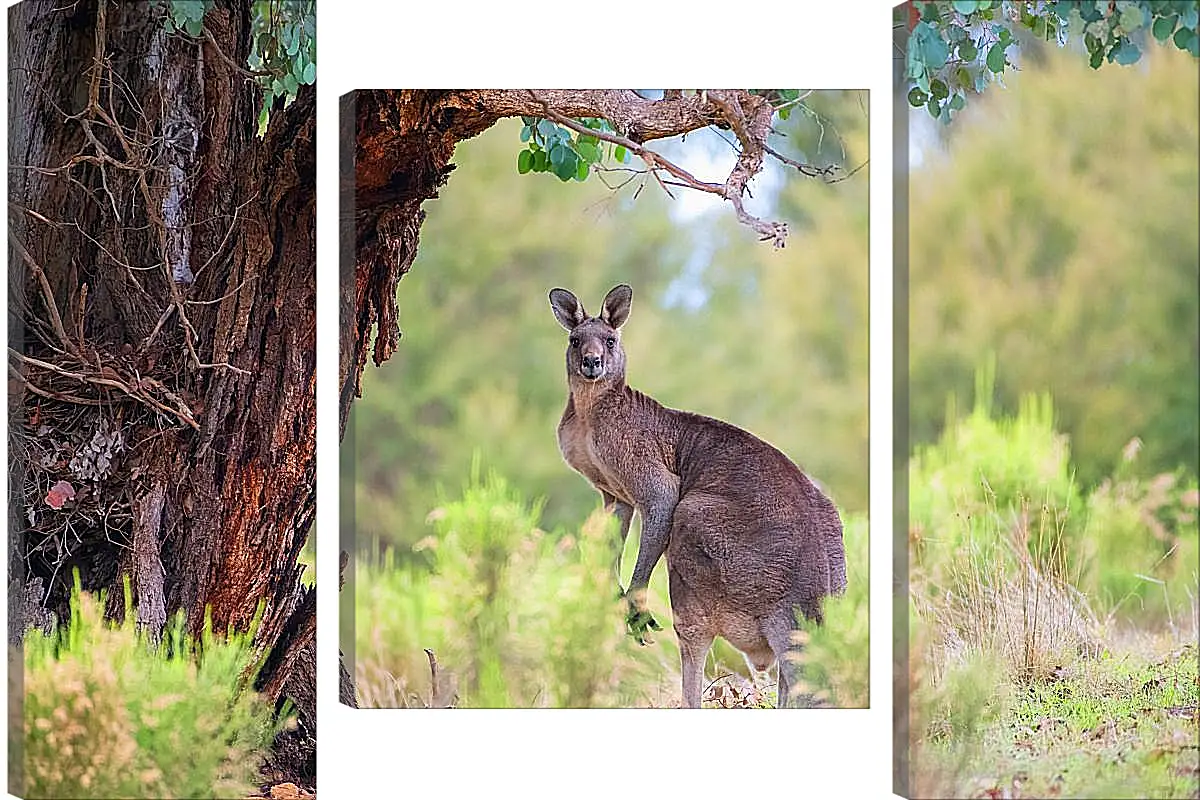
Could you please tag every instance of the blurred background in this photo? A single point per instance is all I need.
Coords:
(1055, 225)
(1053, 397)
(451, 556)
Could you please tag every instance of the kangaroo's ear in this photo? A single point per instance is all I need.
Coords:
(616, 305)
(567, 308)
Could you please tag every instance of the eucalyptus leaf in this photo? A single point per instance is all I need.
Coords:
(1163, 27)
(995, 58)
(1127, 53)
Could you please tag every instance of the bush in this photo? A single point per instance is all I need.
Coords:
(108, 715)
(515, 616)
(992, 490)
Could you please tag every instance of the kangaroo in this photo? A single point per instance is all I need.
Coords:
(748, 538)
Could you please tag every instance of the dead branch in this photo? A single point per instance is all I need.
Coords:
(751, 133)
(47, 293)
(112, 379)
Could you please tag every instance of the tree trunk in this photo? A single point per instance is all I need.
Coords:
(162, 324)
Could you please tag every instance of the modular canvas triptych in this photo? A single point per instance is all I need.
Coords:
(611, 377)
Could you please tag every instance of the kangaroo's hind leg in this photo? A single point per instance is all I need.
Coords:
(695, 633)
(693, 650)
(779, 632)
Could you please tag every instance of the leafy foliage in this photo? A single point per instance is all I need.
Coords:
(108, 714)
(565, 153)
(283, 46)
(187, 16)
(959, 47)
(517, 616)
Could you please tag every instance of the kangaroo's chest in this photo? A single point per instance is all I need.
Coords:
(586, 450)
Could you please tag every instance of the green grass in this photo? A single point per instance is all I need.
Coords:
(108, 714)
(1119, 726)
(1052, 630)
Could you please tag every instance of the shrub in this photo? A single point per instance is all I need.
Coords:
(108, 714)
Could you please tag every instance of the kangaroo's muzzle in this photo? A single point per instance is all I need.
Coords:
(592, 367)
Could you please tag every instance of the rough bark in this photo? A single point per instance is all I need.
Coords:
(162, 286)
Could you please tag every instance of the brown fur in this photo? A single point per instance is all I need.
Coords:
(748, 538)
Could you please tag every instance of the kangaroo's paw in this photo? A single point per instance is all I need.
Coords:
(639, 620)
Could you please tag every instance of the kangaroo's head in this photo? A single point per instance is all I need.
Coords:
(594, 352)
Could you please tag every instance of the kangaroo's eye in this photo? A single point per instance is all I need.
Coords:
(611, 342)
(574, 341)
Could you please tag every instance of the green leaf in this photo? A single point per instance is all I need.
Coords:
(1132, 19)
(194, 28)
(290, 84)
(557, 154)
(581, 172)
(310, 73)
(565, 170)
(926, 46)
(917, 98)
(1183, 38)
(540, 161)
(524, 161)
(967, 50)
(995, 58)
(939, 89)
(957, 102)
(547, 129)
(588, 151)
(526, 133)
(1126, 53)
(965, 6)
(1164, 27)
(621, 154)
(934, 109)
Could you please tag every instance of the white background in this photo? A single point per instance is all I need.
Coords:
(566, 754)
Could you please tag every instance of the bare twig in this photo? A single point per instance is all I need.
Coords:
(47, 292)
(112, 379)
(804, 169)
(50, 394)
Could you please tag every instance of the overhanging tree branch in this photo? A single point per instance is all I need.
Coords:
(399, 150)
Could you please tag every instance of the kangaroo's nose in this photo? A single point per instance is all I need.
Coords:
(591, 362)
